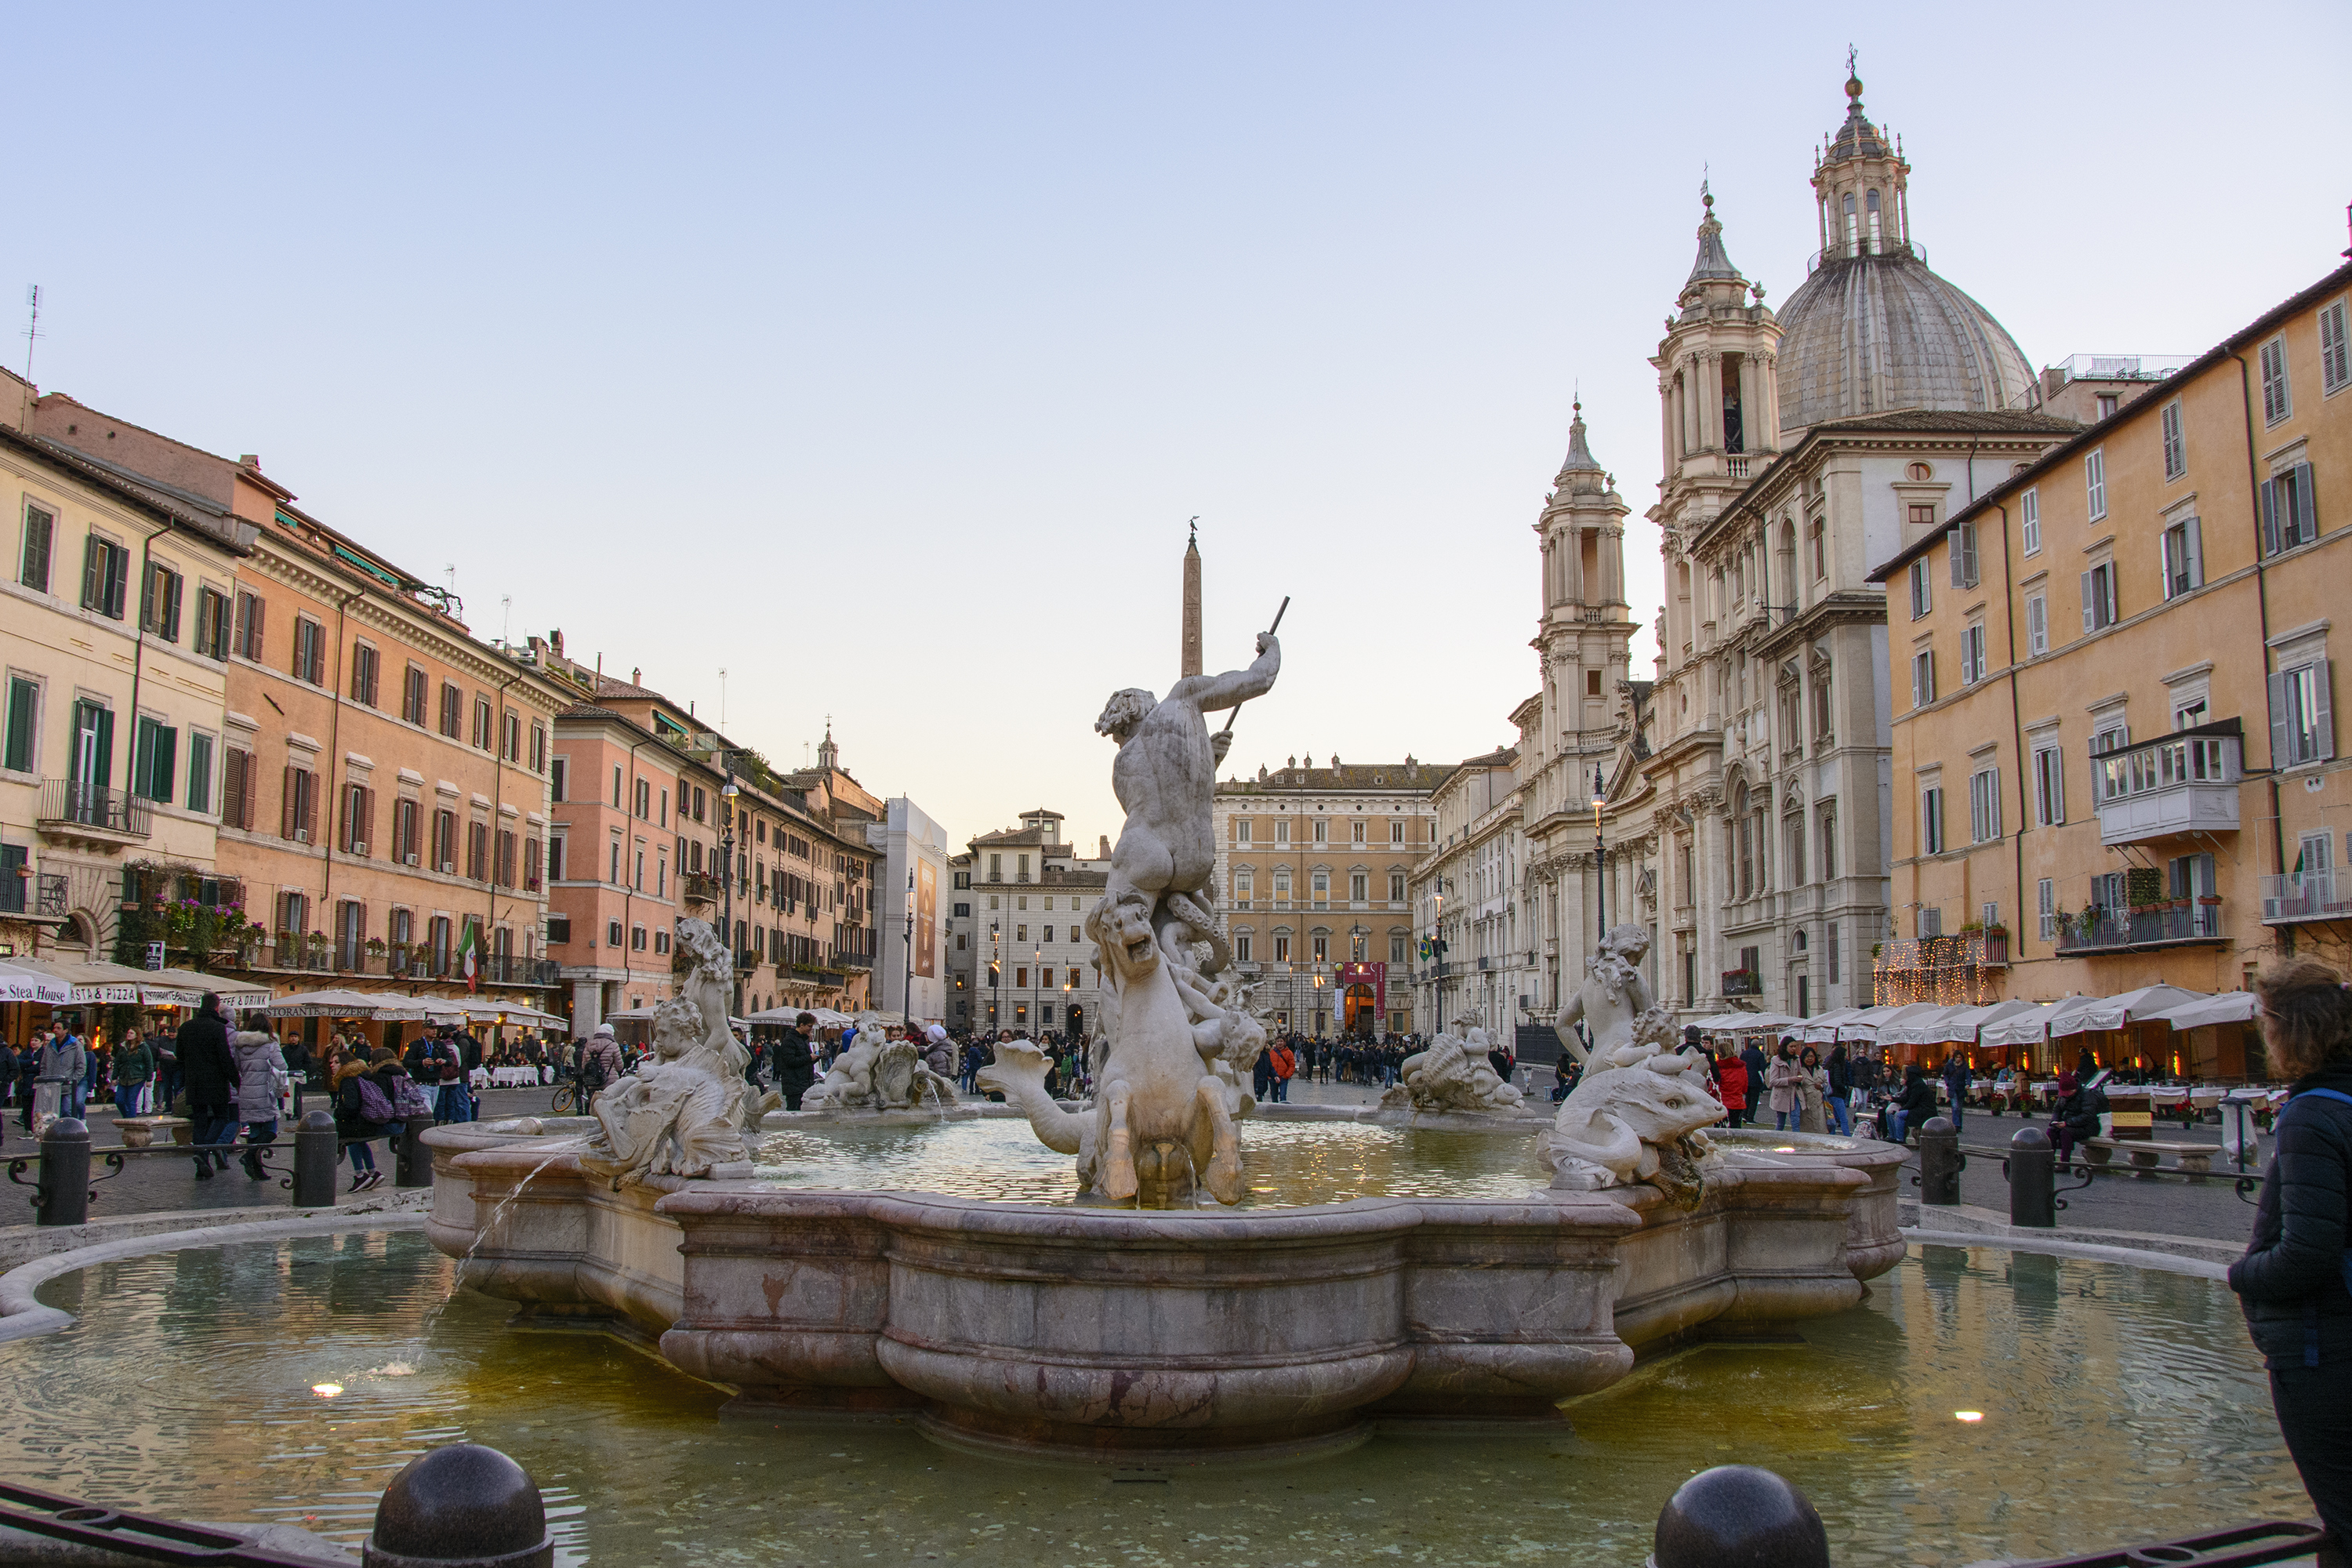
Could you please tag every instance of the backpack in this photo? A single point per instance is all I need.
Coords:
(374, 1106)
(592, 1071)
(408, 1099)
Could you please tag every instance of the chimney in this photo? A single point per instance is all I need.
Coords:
(1105, 840)
(250, 460)
(637, 675)
(555, 641)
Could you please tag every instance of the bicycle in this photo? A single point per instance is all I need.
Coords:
(567, 1097)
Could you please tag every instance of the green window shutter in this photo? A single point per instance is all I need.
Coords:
(105, 726)
(94, 573)
(23, 709)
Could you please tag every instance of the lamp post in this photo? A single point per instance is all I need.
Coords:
(907, 985)
(728, 794)
(996, 975)
(1600, 883)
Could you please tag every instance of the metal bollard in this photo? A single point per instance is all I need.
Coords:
(2032, 1176)
(62, 1194)
(1737, 1514)
(415, 1164)
(463, 1504)
(1939, 1163)
(317, 1152)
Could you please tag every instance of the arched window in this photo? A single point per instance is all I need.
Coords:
(1747, 857)
(1850, 230)
(1870, 204)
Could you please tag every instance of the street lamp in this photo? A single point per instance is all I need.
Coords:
(728, 794)
(907, 985)
(997, 975)
(1599, 884)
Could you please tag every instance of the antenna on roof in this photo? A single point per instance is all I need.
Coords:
(33, 327)
(722, 700)
(506, 619)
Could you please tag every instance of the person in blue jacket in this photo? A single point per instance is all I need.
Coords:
(2292, 1282)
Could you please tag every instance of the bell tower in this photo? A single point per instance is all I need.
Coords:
(1586, 624)
(1862, 185)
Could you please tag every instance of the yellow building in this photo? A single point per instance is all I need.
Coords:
(2147, 786)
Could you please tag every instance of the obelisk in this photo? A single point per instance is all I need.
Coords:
(1192, 650)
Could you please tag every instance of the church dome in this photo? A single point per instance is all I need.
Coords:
(1873, 334)
(1873, 331)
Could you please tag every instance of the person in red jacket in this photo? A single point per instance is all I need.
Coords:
(1732, 1085)
(1285, 1066)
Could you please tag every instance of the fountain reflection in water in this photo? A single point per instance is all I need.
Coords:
(2117, 1405)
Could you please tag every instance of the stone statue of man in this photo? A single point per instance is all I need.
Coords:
(1626, 1023)
(1166, 776)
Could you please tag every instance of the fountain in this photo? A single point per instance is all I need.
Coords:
(1148, 1319)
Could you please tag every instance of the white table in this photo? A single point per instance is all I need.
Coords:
(524, 1076)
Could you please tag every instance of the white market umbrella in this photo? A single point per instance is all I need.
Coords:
(2087, 1013)
(349, 1005)
(1864, 1024)
(2229, 1007)
(1914, 1027)
(1821, 1029)
(25, 982)
(2030, 1027)
(1966, 1024)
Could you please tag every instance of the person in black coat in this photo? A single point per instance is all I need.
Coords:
(1757, 1071)
(1914, 1109)
(2292, 1282)
(795, 1061)
(208, 1067)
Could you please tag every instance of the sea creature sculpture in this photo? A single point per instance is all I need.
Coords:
(682, 1113)
(1452, 1075)
(1624, 1125)
(877, 1073)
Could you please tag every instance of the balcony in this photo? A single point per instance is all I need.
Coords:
(90, 813)
(2176, 783)
(2180, 923)
(513, 969)
(700, 888)
(2313, 896)
(41, 894)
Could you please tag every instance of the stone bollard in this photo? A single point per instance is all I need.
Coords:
(1939, 1163)
(317, 1153)
(62, 1194)
(2033, 1173)
(464, 1506)
(415, 1164)
(1739, 1514)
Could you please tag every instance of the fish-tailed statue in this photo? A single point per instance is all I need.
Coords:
(1174, 1020)
(1452, 1076)
(879, 1070)
(684, 1111)
(1639, 1112)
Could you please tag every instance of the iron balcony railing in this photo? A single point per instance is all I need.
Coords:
(2307, 896)
(2114, 931)
(71, 802)
(1962, 950)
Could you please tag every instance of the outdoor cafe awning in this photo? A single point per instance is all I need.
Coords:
(1821, 1029)
(2084, 1014)
(25, 982)
(2229, 1007)
(349, 1005)
(1922, 1025)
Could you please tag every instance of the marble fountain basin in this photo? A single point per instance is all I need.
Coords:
(1044, 1330)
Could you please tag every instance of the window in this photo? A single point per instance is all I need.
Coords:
(2099, 597)
(154, 761)
(611, 933)
(1795, 869)
(477, 852)
(1282, 830)
(249, 609)
(1923, 678)
(1931, 921)
(1828, 842)
(1321, 948)
(1984, 806)
(1972, 653)
(359, 819)
(1923, 514)
(2095, 482)
(1921, 601)
(503, 867)
(200, 771)
(1961, 540)
(510, 736)
(2113, 739)
(105, 571)
(17, 752)
(2184, 558)
(1322, 881)
(2037, 624)
(1396, 947)
(2176, 454)
(559, 931)
(2108, 402)
(2277, 403)
(212, 623)
(309, 652)
(237, 787)
(404, 824)
(1821, 549)
(645, 806)
(2334, 350)
(617, 786)
(1322, 831)
(1356, 832)
(453, 710)
(364, 665)
(483, 721)
(2289, 518)
(1833, 952)
(2303, 725)
(1358, 887)
(2049, 786)
(40, 537)
(412, 699)
(297, 816)
(2046, 903)
(1931, 822)
(1241, 830)
(1396, 831)
(1396, 887)
(2029, 512)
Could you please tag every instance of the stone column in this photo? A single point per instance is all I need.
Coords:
(1711, 400)
(1190, 651)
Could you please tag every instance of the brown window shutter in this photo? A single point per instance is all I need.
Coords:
(310, 805)
(288, 820)
(233, 788)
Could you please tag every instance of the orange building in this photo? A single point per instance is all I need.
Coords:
(2115, 759)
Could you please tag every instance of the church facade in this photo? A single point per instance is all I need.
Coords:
(1746, 787)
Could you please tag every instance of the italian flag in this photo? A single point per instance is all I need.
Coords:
(470, 948)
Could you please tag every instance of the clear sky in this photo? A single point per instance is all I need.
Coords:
(877, 354)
